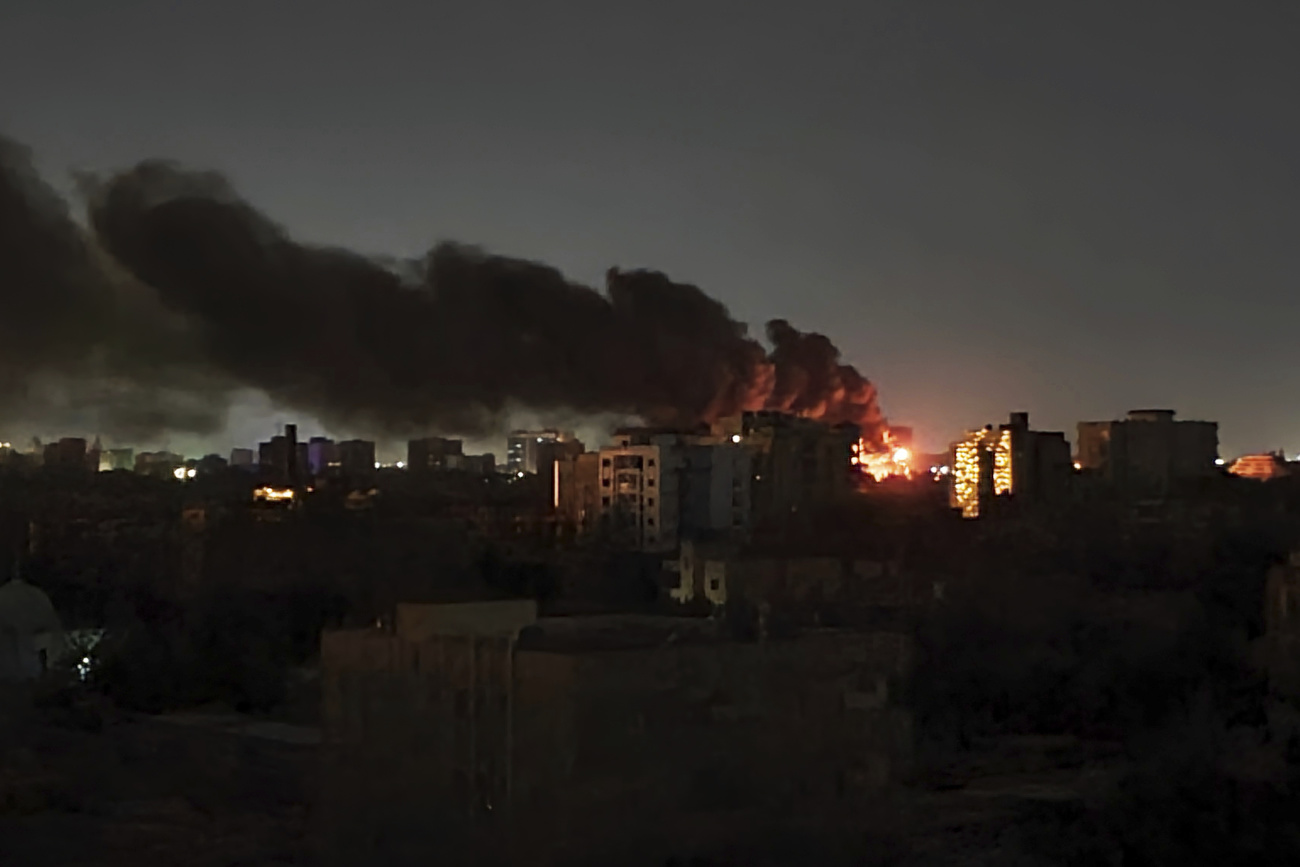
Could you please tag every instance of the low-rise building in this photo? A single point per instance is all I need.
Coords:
(781, 589)
(1271, 465)
(563, 739)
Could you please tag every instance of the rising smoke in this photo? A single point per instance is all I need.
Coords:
(180, 292)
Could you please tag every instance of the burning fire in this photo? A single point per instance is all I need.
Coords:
(882, 460)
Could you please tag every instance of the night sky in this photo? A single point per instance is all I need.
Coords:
(1069, 209)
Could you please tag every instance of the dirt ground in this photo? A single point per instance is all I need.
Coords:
(146, 792)
(200, 790)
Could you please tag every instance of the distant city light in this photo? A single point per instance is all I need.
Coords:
(1078, 466)
(273, 495)
(376, 464)
(191, 473)
(179, 473)
(1218, 462)
(735, 438)
(401, 465)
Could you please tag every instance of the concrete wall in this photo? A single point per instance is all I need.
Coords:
(418, 622)
(801, 589)
(438, 748)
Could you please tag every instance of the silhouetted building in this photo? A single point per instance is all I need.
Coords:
(1149, 451)
(482, 728)
(798, 463)
(716, 488)
(283, 459)
(211, 465)
(430, 454)
(1033, 466)
(577, 495)
(547, 454)
(357, 460)
(524, 449)
(323, 456)
(243, 459)
(68, 455)
(478, 465)
(162, 465)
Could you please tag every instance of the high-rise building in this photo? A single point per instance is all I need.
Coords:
(283, 460)
(576, 492)
(1148, 452)
(242, 459)
(716, 488)
(1011, 460)
(525, 450)
(798, 463)
(639, 506)
(547, 455)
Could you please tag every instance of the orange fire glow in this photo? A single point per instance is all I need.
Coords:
(882, 460)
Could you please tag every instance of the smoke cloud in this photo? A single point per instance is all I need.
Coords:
(82, 343)
(181, 292)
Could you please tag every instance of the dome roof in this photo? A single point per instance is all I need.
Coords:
(26, 609)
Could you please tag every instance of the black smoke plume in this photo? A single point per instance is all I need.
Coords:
(81, 341)
(209, 291)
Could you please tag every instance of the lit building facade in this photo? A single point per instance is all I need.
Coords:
(1011, 460)
(1261, 467)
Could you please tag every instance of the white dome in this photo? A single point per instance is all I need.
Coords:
(26, 609)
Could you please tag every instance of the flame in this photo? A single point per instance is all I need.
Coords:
(882, 460)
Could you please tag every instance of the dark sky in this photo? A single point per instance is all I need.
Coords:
(1067, 208)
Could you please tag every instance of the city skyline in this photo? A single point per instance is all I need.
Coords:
(1011, 209)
